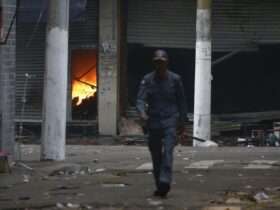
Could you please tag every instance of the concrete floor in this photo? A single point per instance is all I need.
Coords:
(119, 177)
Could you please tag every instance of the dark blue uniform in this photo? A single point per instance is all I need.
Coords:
(164, 102)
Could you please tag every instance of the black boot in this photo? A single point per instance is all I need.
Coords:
(157, 193)
(163, 189)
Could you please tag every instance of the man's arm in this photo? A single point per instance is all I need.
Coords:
(181, 100)
(142, 99)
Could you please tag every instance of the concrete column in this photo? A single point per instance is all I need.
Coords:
(109, 65)
(202, 103)
(55, 82)
(7, 78)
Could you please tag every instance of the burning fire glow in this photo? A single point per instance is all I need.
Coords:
(84, 81)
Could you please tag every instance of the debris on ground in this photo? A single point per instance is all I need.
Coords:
(25, 178)
(73, 206)
(66, 170)
(130, 127)
(60, 206)
(261, 197)
(99, 170)
(4, 163)
(153, 202)
(120, 185)
(222, 208)
(70, 169)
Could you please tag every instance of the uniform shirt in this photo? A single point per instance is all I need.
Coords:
(164, 100)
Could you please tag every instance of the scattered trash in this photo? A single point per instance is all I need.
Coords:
(87, 207)
(24, 166)
(248, 187)
(66, 169)
(199, 175)
(120, 185)
(73, 206)
(261, 197)
(241, 140)
(154, 202)
(145, 166)
(233, 201)
(99, 170)
(186, 158)
(60, 206)
(25, 178)
(95, 160)
(240, 175)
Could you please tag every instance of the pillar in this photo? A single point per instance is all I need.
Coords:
(55, 81)
(109, 66)
(7, 76)
(202, 103)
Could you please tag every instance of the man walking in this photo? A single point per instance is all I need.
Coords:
(161, 102)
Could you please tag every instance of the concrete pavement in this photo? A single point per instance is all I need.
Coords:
(119, 177)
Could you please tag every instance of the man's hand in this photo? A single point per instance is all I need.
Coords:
(180, 128)
(182, 134)
(144, 116)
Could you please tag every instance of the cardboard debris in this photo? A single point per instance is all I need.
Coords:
(4, 163)
(130, 127)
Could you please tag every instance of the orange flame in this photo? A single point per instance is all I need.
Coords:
(84, 80)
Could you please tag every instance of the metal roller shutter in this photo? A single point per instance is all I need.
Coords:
(162, 23)
(240, 24)
(237, 24)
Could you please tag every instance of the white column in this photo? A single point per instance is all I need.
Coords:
(203, 77)
(55, 82)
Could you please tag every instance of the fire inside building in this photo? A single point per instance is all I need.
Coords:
(245, 51)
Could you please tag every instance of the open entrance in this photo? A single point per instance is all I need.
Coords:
(245, 102)
(84, 84)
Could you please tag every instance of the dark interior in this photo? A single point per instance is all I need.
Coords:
(245, 82)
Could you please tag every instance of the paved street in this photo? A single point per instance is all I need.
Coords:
(119, 177)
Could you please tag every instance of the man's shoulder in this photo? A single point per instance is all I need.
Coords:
(174, 76)
(148, 76)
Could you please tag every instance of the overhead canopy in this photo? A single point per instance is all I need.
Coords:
(34, 10)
